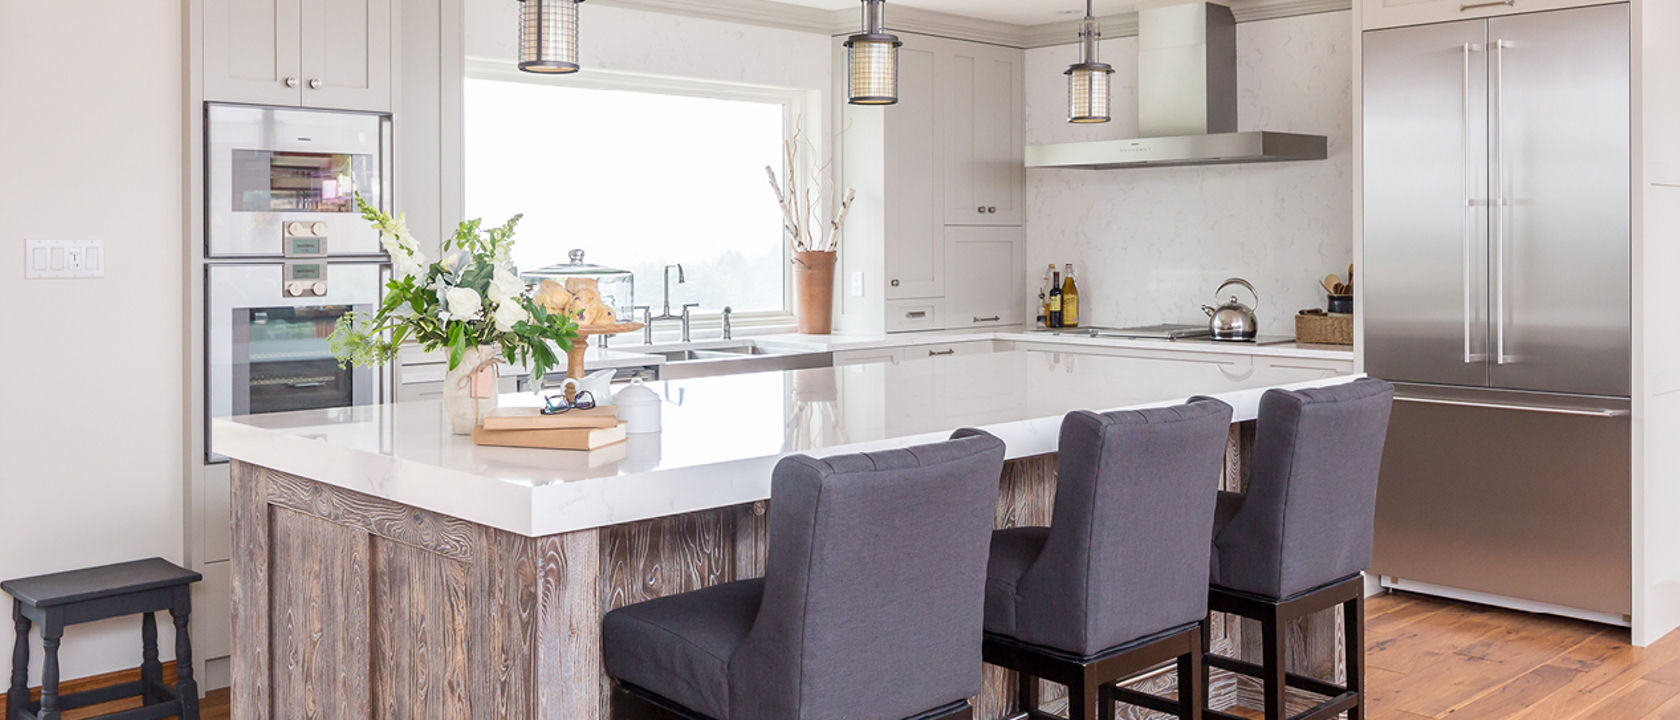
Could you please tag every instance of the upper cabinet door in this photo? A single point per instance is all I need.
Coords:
(980, 116)
(915, 230)
(251, 51)
(346, 58)
(1395, 13)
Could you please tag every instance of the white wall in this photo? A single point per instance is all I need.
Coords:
(1152, 244)
(91, 429)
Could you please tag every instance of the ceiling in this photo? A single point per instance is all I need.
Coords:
(1015, 12)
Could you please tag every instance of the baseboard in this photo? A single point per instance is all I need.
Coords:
(117, 677)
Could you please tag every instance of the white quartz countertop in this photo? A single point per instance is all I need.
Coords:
(723, 435)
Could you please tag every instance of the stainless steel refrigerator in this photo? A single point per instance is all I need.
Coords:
(1497, 297)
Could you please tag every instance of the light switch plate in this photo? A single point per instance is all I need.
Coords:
(857, 284)
(64, 258)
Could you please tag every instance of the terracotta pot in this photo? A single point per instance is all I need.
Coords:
(813, 279)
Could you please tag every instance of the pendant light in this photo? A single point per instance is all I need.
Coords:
(872, 60)
(1088, 79)
(548, 36)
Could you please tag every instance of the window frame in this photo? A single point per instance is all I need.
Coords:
(797, 108)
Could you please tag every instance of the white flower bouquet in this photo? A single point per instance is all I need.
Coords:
(472, 298)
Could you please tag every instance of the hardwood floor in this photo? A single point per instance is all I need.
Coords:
(1431, 658)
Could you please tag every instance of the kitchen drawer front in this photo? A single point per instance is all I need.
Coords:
(1211, 358)
(1397, 13)
(911, 315)
(408, 391)
(1326, 368)
(217, 517)
(212, 616)
(865, 357)
(975, 347)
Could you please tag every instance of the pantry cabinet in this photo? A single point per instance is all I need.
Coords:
(303, 53)
(1397, 13)
(940, 180)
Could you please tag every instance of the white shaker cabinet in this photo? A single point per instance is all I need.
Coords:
(305, 53)
(980, 118)
(1397, 13)
(984, 280)
(915, 233)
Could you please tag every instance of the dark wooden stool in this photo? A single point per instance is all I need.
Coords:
(68, 598)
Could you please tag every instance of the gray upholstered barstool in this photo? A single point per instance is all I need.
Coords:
(869, 609)
(1116, 584)
(1297, 540)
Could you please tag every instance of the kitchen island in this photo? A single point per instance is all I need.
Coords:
(386, 568)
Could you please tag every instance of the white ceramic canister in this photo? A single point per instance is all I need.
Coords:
(639, 407)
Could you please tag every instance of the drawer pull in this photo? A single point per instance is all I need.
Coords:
(937, 353)
(916, 314)
(993, 318)
(1492, 3)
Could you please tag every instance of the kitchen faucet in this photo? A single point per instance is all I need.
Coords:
(665, 313)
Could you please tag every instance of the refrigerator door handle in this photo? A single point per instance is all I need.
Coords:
(1551, 410)
(1471, 203)
(1500, 202)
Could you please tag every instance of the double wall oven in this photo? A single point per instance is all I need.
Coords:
(287, 255)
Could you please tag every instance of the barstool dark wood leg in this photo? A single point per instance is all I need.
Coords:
(1026, 692)
(185, 687)
(1207, 648)
(151, 671)
(1273, 664)
(1192, 679)
(51, 633)
(1082, 702)
(1353, 619)
(18, 694)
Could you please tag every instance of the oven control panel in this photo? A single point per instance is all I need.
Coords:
(304, 245)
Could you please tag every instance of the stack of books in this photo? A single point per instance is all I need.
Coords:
(529, 428)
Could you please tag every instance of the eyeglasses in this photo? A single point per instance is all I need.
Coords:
(558, 404)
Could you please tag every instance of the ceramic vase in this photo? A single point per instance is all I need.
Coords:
(469, 391)
(813, 279)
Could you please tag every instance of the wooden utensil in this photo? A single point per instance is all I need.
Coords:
(1330, 283)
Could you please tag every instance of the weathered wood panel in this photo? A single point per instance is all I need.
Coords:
(419, 635)
(438, 534)
(250, 697)
(318, 610)
(568, 672)
(503, 625)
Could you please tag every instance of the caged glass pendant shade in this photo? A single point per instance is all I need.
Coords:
(872, 60)
(548, 36)
(1088, 98)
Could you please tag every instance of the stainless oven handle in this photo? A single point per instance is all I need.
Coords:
(1550, 410)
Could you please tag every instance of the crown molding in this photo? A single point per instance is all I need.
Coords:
(750, 12)
(1126, 24)
(900, 18)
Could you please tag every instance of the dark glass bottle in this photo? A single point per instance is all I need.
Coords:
(1055, 319)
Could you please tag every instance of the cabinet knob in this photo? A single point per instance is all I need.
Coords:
(314, 83)
(290, 82)
(981, 209)
(895, 282)
(992, 210)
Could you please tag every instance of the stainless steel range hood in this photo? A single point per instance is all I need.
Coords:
(1187, 101)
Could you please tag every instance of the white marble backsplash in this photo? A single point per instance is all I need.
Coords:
(1152, 244)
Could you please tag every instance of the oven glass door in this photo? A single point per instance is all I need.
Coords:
(268, 353)
(274, 173)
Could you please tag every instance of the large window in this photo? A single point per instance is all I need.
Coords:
(639, 174)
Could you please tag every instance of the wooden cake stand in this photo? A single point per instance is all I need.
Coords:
(580, 345)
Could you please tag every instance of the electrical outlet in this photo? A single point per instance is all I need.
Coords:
(64, 258)
(857, 284)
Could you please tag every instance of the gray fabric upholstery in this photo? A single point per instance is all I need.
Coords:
(1307, 516)
(679, 646)
(1122, 557)
(1013, 552)
(871, 603)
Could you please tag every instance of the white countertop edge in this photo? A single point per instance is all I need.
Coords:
(571, 507)
(842, 343)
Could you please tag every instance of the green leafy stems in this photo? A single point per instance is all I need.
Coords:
(470, 297)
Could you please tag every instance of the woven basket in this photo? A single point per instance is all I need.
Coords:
(1324, 329)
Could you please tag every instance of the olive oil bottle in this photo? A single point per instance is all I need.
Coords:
(1070, 300)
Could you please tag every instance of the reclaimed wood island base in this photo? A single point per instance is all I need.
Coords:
(384, 568)
(369, 609)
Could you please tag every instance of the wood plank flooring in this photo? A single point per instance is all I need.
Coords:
(1430, 658)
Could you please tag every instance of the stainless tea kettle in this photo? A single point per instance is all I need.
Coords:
(1233, 321)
